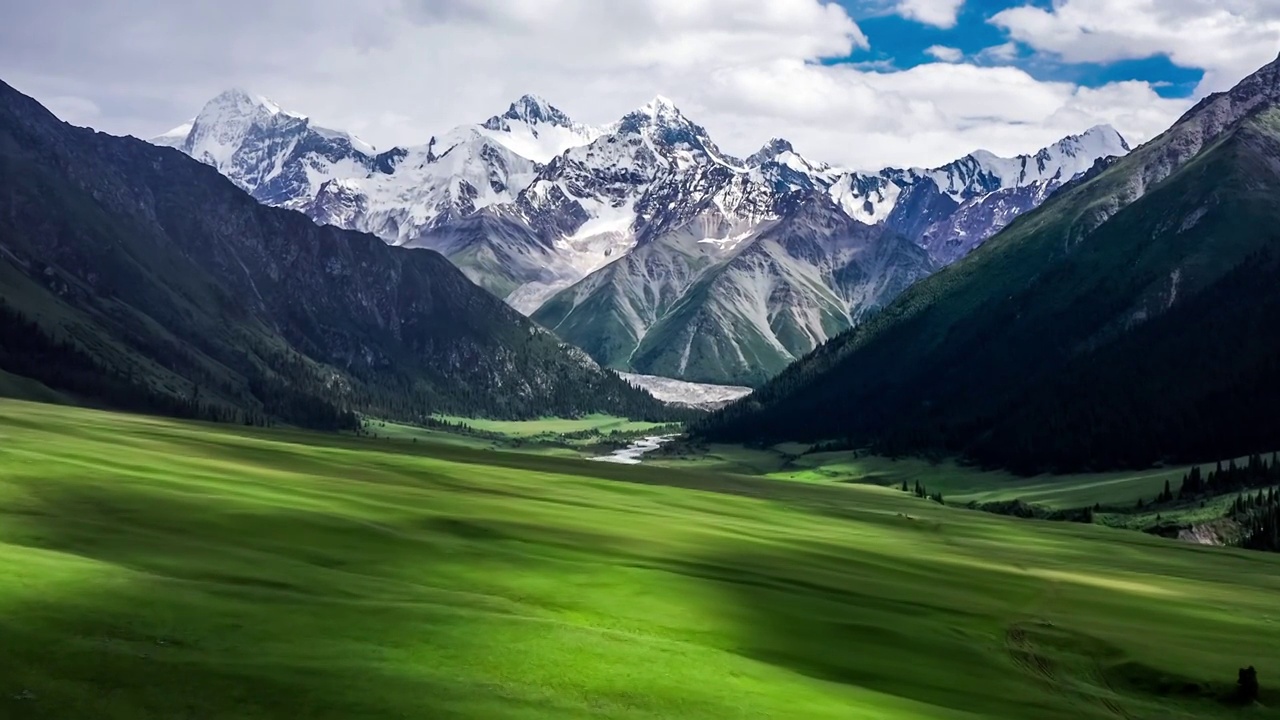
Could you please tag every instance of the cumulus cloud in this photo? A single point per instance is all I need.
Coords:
(944, 53)
(940, 13)
(400, 71)
(1227, 38)
(1002, 53)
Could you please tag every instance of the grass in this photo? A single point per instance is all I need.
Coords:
(967, 484)
(388, 430)
(959, 484)
(545, 427)
(153, 568)
(413, 433)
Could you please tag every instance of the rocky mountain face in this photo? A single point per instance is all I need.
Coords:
(134, 276)
(642, 242)
(1128, 320)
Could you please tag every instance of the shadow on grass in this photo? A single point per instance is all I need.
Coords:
(900, 635)
(157, 605)
(801, 612)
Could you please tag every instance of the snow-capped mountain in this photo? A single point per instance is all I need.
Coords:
(283, 159)
(279, 157)
(641, 241)
(533, 129)
(952, 209)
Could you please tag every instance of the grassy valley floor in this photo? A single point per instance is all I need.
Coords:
(152, 568)
(960, 484)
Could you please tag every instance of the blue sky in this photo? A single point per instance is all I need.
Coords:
(900, 43)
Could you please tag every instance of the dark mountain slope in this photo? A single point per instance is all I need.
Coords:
(1124, 322)
(166, 287)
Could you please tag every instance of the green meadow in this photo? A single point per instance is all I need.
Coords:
(153, 568)
(600, 424)
(959, 484)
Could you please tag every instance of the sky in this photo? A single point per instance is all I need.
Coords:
(858, 83)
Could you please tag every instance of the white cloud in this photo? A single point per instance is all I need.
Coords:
(941, 13)
(1002, 53)
(399, 71)
(944, 53)
(926, 115)
(1227, 38)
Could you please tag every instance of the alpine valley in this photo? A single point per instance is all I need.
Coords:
(1128, 321)
(134, 277)
(642, 242)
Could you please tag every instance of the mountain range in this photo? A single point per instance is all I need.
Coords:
(642, 242)
(1131, 319)
(133, 276)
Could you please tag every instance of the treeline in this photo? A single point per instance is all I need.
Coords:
(1078, 397)
(27, 350)
(1255, 473)
(1259, 515)
(420, 399)
(1257, 507)
(1030, 511)
(922, 492)
(668, 429)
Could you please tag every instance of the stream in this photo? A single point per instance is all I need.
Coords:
(631, 454)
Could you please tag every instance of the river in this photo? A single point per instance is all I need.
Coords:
(632, 454)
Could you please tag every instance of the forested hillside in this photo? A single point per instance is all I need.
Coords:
(137, 277)
(1129, 320)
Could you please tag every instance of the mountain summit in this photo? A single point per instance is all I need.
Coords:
(535, 129)
(532, 110)
(540, 210)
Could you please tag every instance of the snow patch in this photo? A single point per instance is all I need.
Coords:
(688, 394)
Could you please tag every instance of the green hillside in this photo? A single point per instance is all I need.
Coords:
(1095, 332)
(154, 568)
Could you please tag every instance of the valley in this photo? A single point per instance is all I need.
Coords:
(1126, 322)
(537, 418)
(159, 567)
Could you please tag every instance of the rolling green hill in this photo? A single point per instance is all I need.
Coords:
(1130, 319)
(154, 568)
(136, 277)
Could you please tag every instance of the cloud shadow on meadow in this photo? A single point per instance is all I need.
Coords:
(152, 604)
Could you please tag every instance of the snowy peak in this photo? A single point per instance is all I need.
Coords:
(537, 130)
(770, 151)
(660, 112)
(174, 138)
(530, 109)
(662, 109)
(237, 123)
(229, 121)
(236, 105)
(679, 141)
(1099, 141)
(983, 172)
(1075, 154)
